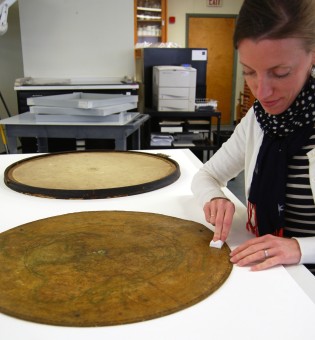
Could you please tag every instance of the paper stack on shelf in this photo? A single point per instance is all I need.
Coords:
(182, 143)
(111, 109)
(187, 139)
(161, 139)
(171, 126)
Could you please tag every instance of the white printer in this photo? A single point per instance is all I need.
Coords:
(174, 88)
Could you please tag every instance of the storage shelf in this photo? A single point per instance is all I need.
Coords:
(145, 21)
(183, 114)
(149, 9)
(203, 122)
(149, 36)
(150, 16)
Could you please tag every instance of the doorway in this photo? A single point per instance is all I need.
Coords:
(216, 34)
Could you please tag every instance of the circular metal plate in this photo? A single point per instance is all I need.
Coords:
(91, 174)
(107, 268)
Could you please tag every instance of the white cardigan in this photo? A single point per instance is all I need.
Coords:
(237, 154)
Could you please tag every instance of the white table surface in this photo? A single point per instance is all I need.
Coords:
(265, 305)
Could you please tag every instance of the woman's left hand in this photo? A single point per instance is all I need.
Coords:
(267, 251)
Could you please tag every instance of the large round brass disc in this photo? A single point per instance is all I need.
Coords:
(107, 268)
(91, 174)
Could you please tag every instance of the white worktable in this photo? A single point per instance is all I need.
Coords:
(269, 304)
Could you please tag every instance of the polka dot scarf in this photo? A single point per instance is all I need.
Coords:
(284, 135)
(299, 114)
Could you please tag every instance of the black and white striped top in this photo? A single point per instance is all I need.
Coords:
(300, 207)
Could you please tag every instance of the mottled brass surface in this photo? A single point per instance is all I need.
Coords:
(107, 268)
(91, 174)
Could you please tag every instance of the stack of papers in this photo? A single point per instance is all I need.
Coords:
(161, 140)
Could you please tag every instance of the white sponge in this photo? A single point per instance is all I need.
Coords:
(216, 244)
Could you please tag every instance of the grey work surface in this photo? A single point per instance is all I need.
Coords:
(25, 125)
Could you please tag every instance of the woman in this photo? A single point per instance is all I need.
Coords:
(275, 142)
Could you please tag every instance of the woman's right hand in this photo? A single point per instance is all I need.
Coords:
(219, 212)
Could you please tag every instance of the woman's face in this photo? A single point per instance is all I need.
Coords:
(275, 70)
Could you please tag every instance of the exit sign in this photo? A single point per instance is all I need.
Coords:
(214, 3)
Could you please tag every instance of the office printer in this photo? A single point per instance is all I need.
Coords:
(174, 88)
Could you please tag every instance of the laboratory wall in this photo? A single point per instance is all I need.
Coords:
(65, 38)
(11, 64)
(77, 38)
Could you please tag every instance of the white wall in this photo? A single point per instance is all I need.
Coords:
(65, 38)
(77, 38)
(11, 64)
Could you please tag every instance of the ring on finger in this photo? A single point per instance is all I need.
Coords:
(266, 253)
